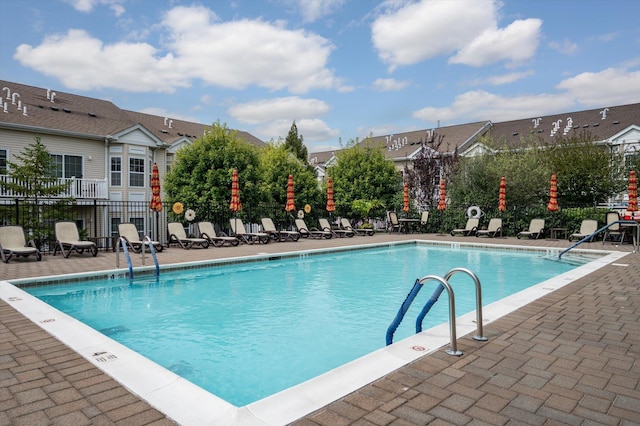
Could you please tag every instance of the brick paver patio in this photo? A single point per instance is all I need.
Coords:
(571, 357)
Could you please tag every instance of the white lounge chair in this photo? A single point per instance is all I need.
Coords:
(345, 224)
(424, 218)
(470, 229)
(307, 232)
(239, 231)
(14, 243)
(614, 233)
(129, 232)
(68, 240)
(325, 226)
(270, 228)
(393, 224)
(494, 228)
(535, 230)
(208, 232)
(178, 235)
(587, 228)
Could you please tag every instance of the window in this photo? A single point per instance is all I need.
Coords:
(116, 171)
(139, 223)
(136, 172)
(115, 221)
(66, 166)
(3, 161)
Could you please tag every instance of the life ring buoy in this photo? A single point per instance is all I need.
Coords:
(474, 212)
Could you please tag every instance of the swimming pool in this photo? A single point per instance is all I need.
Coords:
(311, 294)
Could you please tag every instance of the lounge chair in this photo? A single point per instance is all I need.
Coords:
(325, 226)
(424, 218)
(306, 232)
(178, 235)
(587, 228)
(469, 230)
(494, 228)
(345, 224)
(68, 240)
(13, 242)
(239, 231)
(614, 233)
(392, 222)
(208, 232)
(270, 228)
(129, 232)
(535, 230)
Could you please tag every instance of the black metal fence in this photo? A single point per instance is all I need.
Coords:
(98, 219)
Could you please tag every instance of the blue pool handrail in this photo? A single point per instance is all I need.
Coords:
(123, 243)
(636, 237)
(417, 286)
(152, 249)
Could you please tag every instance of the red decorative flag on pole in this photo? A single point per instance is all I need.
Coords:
(553, 195)
(235, 205)
(331, 205)
(290, 203)
(633, 192)
(502, 197)
(156, 203)
(405, 198)
(442, 204)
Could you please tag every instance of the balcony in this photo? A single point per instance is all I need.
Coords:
(78, 188)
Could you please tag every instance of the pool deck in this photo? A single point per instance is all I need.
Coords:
(570, 357)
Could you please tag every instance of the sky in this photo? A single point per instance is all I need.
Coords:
(341, 69)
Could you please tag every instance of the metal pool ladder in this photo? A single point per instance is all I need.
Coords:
(123, 243)
(443, 284)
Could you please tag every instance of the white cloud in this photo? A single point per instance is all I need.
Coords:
(312, 10)
(268, 110)
(419, 31)
(423, 30)
(613, 86)
(567, 47)
(515, 43)
(235, 55)
(481, 105)
(76, 59)
(88, 5)
(245, 52)
(311, 130)
(389, 84)
(498, 80)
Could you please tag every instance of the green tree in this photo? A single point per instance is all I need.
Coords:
(32, 180)
(476, 180)
(588, 172)
(294, 143)
(201, 173)
(31, 176)
(362, 172)
(277, 163)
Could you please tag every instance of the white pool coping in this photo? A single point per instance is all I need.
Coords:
(188, 404)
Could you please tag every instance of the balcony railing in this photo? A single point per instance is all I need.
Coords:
(78, 188)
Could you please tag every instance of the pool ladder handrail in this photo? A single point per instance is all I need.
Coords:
(122, 242)
(636, 236)
(444, 282)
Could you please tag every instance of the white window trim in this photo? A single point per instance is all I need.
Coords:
(143, 173)
(122, 175)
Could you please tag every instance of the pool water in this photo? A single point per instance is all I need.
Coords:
(249, 330)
